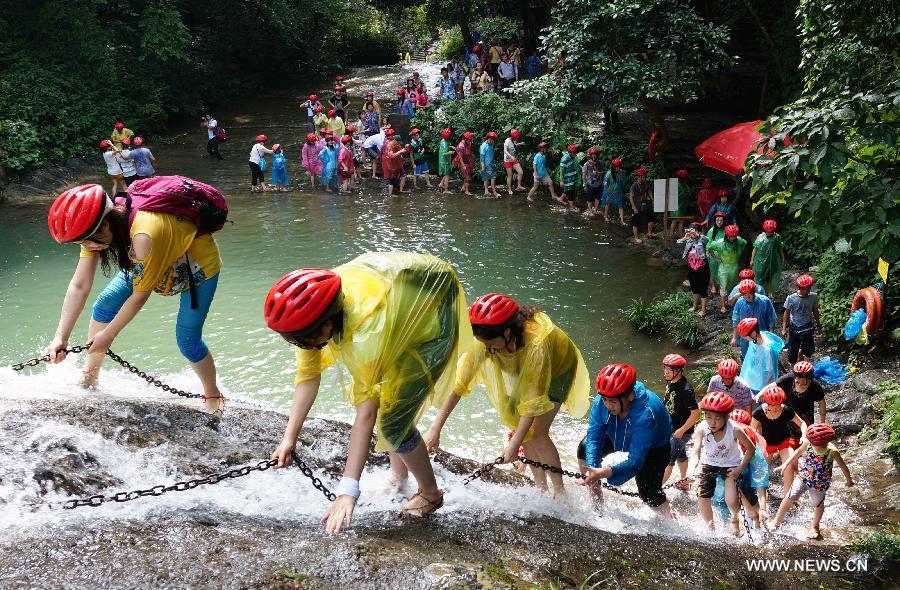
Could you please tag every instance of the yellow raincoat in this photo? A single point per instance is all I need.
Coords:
(405, 324)
(548, 369)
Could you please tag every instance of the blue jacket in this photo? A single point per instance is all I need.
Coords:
(761, 309)
(736, 290)
(727, 209)
(648, 425)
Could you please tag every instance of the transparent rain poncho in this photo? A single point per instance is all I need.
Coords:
(729, 255)
(405, 324)
(547, 369)
(760, 365)
(767, 261)
(755, 475)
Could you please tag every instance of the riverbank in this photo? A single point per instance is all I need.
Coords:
(262, 530)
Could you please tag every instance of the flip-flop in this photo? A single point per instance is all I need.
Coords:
(429, 507)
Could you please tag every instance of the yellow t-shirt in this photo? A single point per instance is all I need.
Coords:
(337, 126)
(164, 270)
(521, 383)
(117, 136)
(496, 52)
(320, 121)
(403, 312)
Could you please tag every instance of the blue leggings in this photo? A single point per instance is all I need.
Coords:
(188, 327)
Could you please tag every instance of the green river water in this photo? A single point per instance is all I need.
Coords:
(578, 270)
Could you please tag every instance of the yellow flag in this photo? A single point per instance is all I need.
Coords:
(883, 270)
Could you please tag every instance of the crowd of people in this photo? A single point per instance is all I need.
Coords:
(427, 349)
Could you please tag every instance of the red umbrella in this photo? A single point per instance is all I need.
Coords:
(727, 150)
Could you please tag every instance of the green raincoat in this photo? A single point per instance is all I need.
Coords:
(767, 261)
(729, 254)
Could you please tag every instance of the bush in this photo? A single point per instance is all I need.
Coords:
(886, 543)
(669, 313)
(840, 275)
(800, 245)
(451, 44)
(701, 376)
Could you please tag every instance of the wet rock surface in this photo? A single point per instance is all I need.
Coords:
(209, 547)
(51, 178)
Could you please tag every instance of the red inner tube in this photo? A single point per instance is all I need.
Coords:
(869, 299)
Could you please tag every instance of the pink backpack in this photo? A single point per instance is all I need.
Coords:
(201, 203)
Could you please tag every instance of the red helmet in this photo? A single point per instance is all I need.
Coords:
(747, 286)
(313, 97)
(769, 226)
(105, 143)
(773, 395)
(732, 231)
(593, 151)
(746, 325)
(740, 416)
(389, 132)
(747, 273)
(446, 133)
(615, 379)
(804, 281)
(722, 192)
(401, 92)
(491, 135)
(138, 141)
(493, 309)
(125, 141)
(717, 401)
(262, 137)
(543, 144)
(311, 137)
(820, 434)
(414, 131)
(338, 78)
(721, 214)
(468, 135)
(337, 87)
(674, 360)
(346, 139)
(616, 162)
(299, 298)
(318, 109)
(370, 93)
(681, 173)
(572, 148)
(119, 125)
(514, 133)
(77, 213)
(350, 129)
(332, 113)
(803, 369)
(707, 183)
(641, 171)
(728, 368)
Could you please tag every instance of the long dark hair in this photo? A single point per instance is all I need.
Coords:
(119, 246)
(516, 326)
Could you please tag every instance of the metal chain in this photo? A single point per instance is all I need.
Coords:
(317, 483)
(131, 368)
(483, 470)
(576, 475)
(181, 486)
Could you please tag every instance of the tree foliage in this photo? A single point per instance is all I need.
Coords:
(633, 49)
(70, 68)
(841, 172)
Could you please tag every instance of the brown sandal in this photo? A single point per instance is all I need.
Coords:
(424, 511)
(218, 412)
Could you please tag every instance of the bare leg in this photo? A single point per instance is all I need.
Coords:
(540, 476)
(206, 371)
(94, 360)
(419, 464)
(543, 445)
(706, 513)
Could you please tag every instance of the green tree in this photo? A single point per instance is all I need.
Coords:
(841, 172)
(632, 51)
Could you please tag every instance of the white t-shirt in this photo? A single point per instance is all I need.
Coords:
(509, 150)
(506, 70)
(128, 167)
(257, 152)
(113, 168)
(720, 453)
(376, 140)
(211, 128)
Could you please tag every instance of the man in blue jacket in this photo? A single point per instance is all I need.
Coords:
(751, 305)
(626, 417)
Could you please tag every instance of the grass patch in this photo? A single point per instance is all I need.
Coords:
(886, 542)
(667, 314)
(701, 376)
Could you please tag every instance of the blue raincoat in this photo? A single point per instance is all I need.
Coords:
(279, 169)
(329, 157)
(760, 366)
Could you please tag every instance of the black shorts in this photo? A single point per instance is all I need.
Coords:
(393, 181)
(708, 476)
(649, 479)
(130, 179)
(699, 280)
(641, 218)
(372, 151)
(593, 194)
